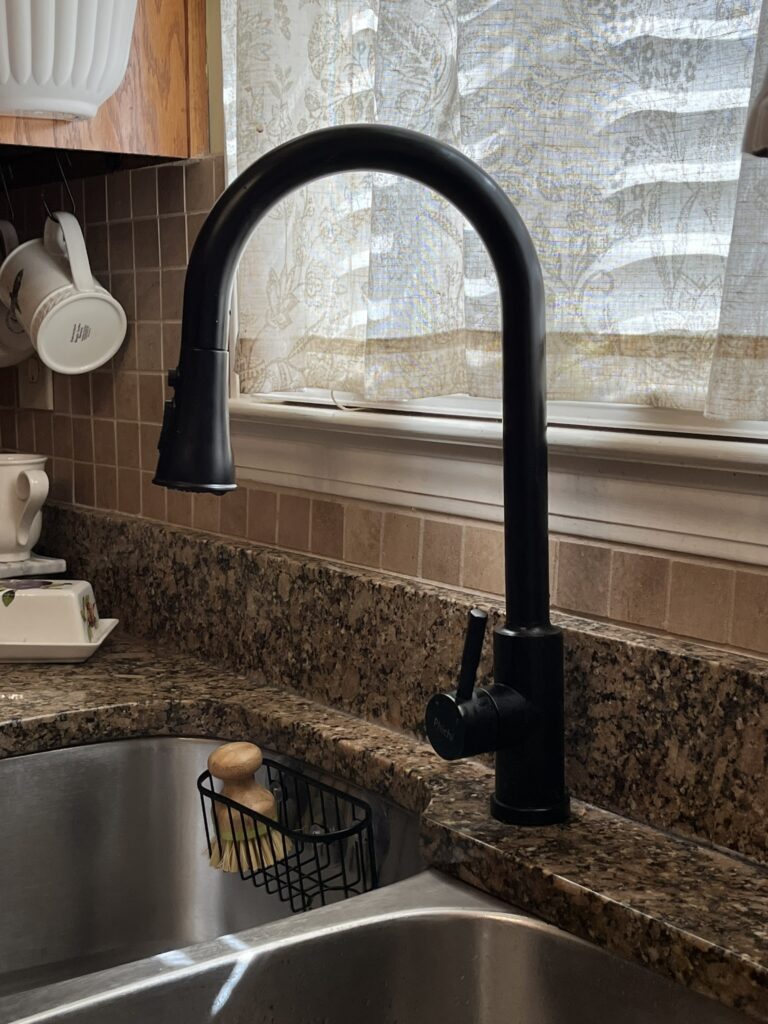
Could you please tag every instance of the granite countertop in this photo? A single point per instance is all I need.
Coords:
(694, 913)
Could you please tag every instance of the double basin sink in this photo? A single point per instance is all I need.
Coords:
(111, 914)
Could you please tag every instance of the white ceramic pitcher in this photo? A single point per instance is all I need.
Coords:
(15, 345)
(74, 324)
(23, 489)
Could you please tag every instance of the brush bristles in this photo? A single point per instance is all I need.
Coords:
(248, 854)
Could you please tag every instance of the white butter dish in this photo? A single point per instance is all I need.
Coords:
(61, 653)
(40, 611)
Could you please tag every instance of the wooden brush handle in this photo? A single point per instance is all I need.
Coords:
(235, 764)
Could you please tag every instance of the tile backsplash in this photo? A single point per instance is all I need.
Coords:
(101, 437)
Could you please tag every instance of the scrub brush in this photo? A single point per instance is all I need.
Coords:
(252, 844)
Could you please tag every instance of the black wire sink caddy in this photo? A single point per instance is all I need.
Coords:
(319, 850)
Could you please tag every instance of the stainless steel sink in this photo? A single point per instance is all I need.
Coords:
(103, 864)
(102, 859)
(423, 951)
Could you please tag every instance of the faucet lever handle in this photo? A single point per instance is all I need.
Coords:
(477, 620)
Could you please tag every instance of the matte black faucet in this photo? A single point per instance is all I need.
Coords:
(520, 716)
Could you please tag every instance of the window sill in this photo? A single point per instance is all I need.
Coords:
(674, 492)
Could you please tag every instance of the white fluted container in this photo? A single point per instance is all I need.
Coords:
(62, 58)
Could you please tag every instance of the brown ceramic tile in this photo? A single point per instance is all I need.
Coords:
(43, 432)
(127, 396)
(148, 437)
(95, 191)
(173, 241)
(119, 195)
(85, 491)
(82, 438)
(170, 188)
(262, 516)
(151, 397)
(80, 394)
(104, 443)
(25, 428)
(148, 305)
(171, 345)
(400, 543)
(362, 536)
(62, 480)
(103, 386)
(441, 552)
(583, 577)
(146, 244)
(750, 611)
(149, 346)
(205, 512)
(179, 505)
(194, 222)
(700, 601)
(127, 444)
(51, 194)
(483, 559)
(152, 498)
(327, 528)
(123, 286)
(639, 587)
(173, 293)
(62, 436)
(144, 192)
(198, 178)
(61, 398)
(76, 189)
(120, 246)
(8, 433)
(126, 357)
(552, 550)
(106, 487)
(97, 240)
(293, 522)
(8, 387)
(129, 491)
(234, 513)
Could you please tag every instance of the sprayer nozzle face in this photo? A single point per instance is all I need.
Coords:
(180, 485)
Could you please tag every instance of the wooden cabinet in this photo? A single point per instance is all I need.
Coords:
(161, 108)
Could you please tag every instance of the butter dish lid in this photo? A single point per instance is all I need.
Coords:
(36, 611)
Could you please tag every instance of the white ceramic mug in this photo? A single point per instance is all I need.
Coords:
(23, 489)
(74, 324)
(15, 345)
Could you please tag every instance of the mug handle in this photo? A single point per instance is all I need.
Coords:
(8, 237)
(77, 254)
(32, 488)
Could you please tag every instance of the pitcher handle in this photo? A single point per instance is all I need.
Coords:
(32, 488)
(77, 254)
(8, 237)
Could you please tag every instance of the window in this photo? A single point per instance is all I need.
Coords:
(614, 127)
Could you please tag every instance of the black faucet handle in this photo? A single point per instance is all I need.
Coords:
(477, 620)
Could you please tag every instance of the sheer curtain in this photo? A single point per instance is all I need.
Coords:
(614, 126)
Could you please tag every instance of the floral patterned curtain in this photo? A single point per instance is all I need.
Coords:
(614, 126)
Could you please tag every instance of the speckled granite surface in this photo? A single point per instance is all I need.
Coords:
(664, 732)
(689, 912)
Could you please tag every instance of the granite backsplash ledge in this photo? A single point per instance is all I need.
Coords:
(665, 732)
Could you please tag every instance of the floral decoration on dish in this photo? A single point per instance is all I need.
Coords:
(90, 615)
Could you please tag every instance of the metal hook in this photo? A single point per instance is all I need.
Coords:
(67, 189)
(7, 194)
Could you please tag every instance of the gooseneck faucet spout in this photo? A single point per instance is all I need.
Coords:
(521, 715)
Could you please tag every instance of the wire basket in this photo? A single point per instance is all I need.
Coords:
(320, 849)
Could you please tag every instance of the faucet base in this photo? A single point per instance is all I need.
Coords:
(554, 814)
